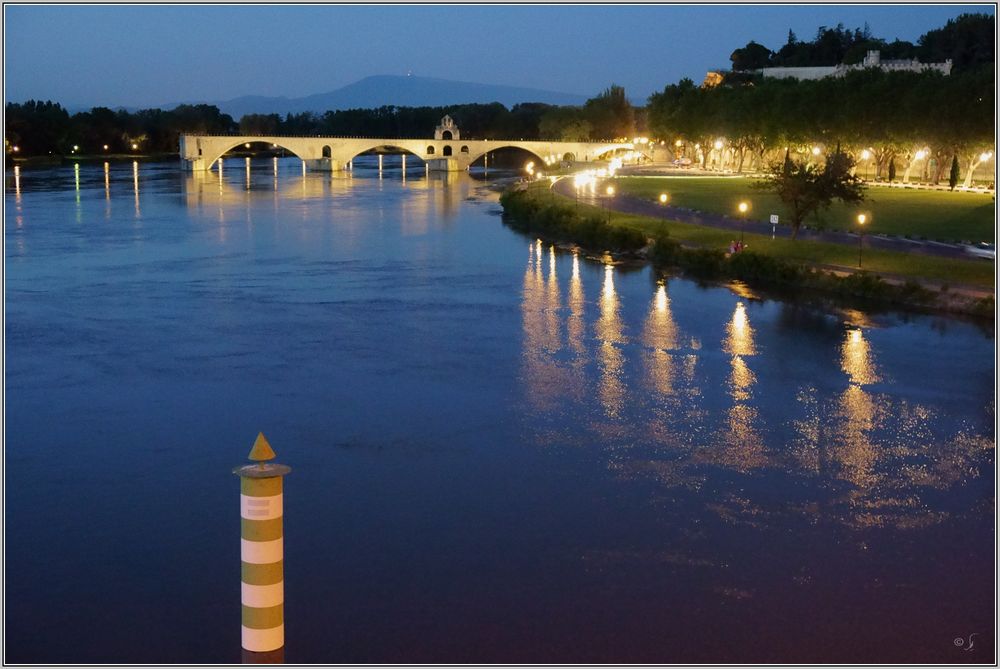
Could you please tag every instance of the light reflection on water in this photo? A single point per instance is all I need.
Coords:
(852, 435)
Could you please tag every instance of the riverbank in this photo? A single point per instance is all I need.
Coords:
(537, 209)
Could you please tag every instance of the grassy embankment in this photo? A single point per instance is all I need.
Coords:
(938, 215)
(781, 262)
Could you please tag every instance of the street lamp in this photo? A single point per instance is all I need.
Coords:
(610, 190)
(866, 156)
(664, 198)
(744, 207)
(862, 219)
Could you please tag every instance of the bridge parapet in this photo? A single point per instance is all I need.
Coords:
(200, 152)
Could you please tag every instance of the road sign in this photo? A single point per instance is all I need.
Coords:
(774, 219)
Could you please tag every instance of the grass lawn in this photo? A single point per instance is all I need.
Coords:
(936, 215)
(974, 272)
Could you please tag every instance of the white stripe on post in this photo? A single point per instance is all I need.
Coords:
(263, 641)
(263, 596)
(262, 552)
(260, 508)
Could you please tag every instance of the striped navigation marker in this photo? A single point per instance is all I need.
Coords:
(262, 550)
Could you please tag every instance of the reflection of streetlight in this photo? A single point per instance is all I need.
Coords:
(744, 206)
(862, 219)
(663, 198)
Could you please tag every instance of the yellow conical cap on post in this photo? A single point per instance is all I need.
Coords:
(261, 450)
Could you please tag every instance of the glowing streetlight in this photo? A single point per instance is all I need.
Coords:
(134, 146)
(105, 147)
(862, 219)
(743, 208)
(718, 144)
(815, 150)
(610, 191)
(246, 145)
(920, 155)
(663, 198)
(16, 149)
(866, 154)
(983, 157)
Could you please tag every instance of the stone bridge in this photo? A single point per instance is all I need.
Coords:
(446, 152)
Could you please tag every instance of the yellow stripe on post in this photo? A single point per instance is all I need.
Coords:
(262, 551)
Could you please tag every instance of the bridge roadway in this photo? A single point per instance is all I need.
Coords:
(332, 154)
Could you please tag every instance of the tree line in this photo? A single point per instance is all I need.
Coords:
(40, 128)
(966, 40)
(884, 116)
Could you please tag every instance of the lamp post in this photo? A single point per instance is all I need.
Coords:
(610, 191)
(744, 206)
(862, 219)
(866, 156)
(664, 198)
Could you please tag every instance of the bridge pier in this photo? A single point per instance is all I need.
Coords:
(443, 165)
(324, 165)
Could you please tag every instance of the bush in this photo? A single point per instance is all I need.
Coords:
(564, 223)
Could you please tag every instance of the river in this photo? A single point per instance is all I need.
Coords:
(500, 451)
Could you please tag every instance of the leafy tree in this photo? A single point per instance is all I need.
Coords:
(967, 40)
(806, 188)
(892, 169)
(610, 114)
(751, 57)
(953, 176)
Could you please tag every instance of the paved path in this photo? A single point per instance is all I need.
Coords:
(629, 204)
(633, 205)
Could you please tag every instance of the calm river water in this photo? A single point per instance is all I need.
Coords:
(500, 452)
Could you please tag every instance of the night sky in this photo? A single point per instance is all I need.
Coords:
(152, 55)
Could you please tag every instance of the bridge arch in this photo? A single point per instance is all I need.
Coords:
(538, 158)
(398, 148)
(446, 151)
(327, 151)
(243, 140)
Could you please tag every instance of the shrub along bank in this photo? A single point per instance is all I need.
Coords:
(558, 222)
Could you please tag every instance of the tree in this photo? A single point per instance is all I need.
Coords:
(610, 114)
(805, 189)
(892, 170)
(953, 176)
(751, 57)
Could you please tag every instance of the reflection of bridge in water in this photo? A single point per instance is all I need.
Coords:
(446, 152)
(242, 182)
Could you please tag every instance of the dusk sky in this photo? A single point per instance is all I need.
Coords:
(152, 55)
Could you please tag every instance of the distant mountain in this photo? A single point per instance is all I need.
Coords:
(402, 91)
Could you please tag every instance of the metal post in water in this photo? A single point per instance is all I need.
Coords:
(262, 555)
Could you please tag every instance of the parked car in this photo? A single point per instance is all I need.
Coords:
(982, 250)
(682, 162)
